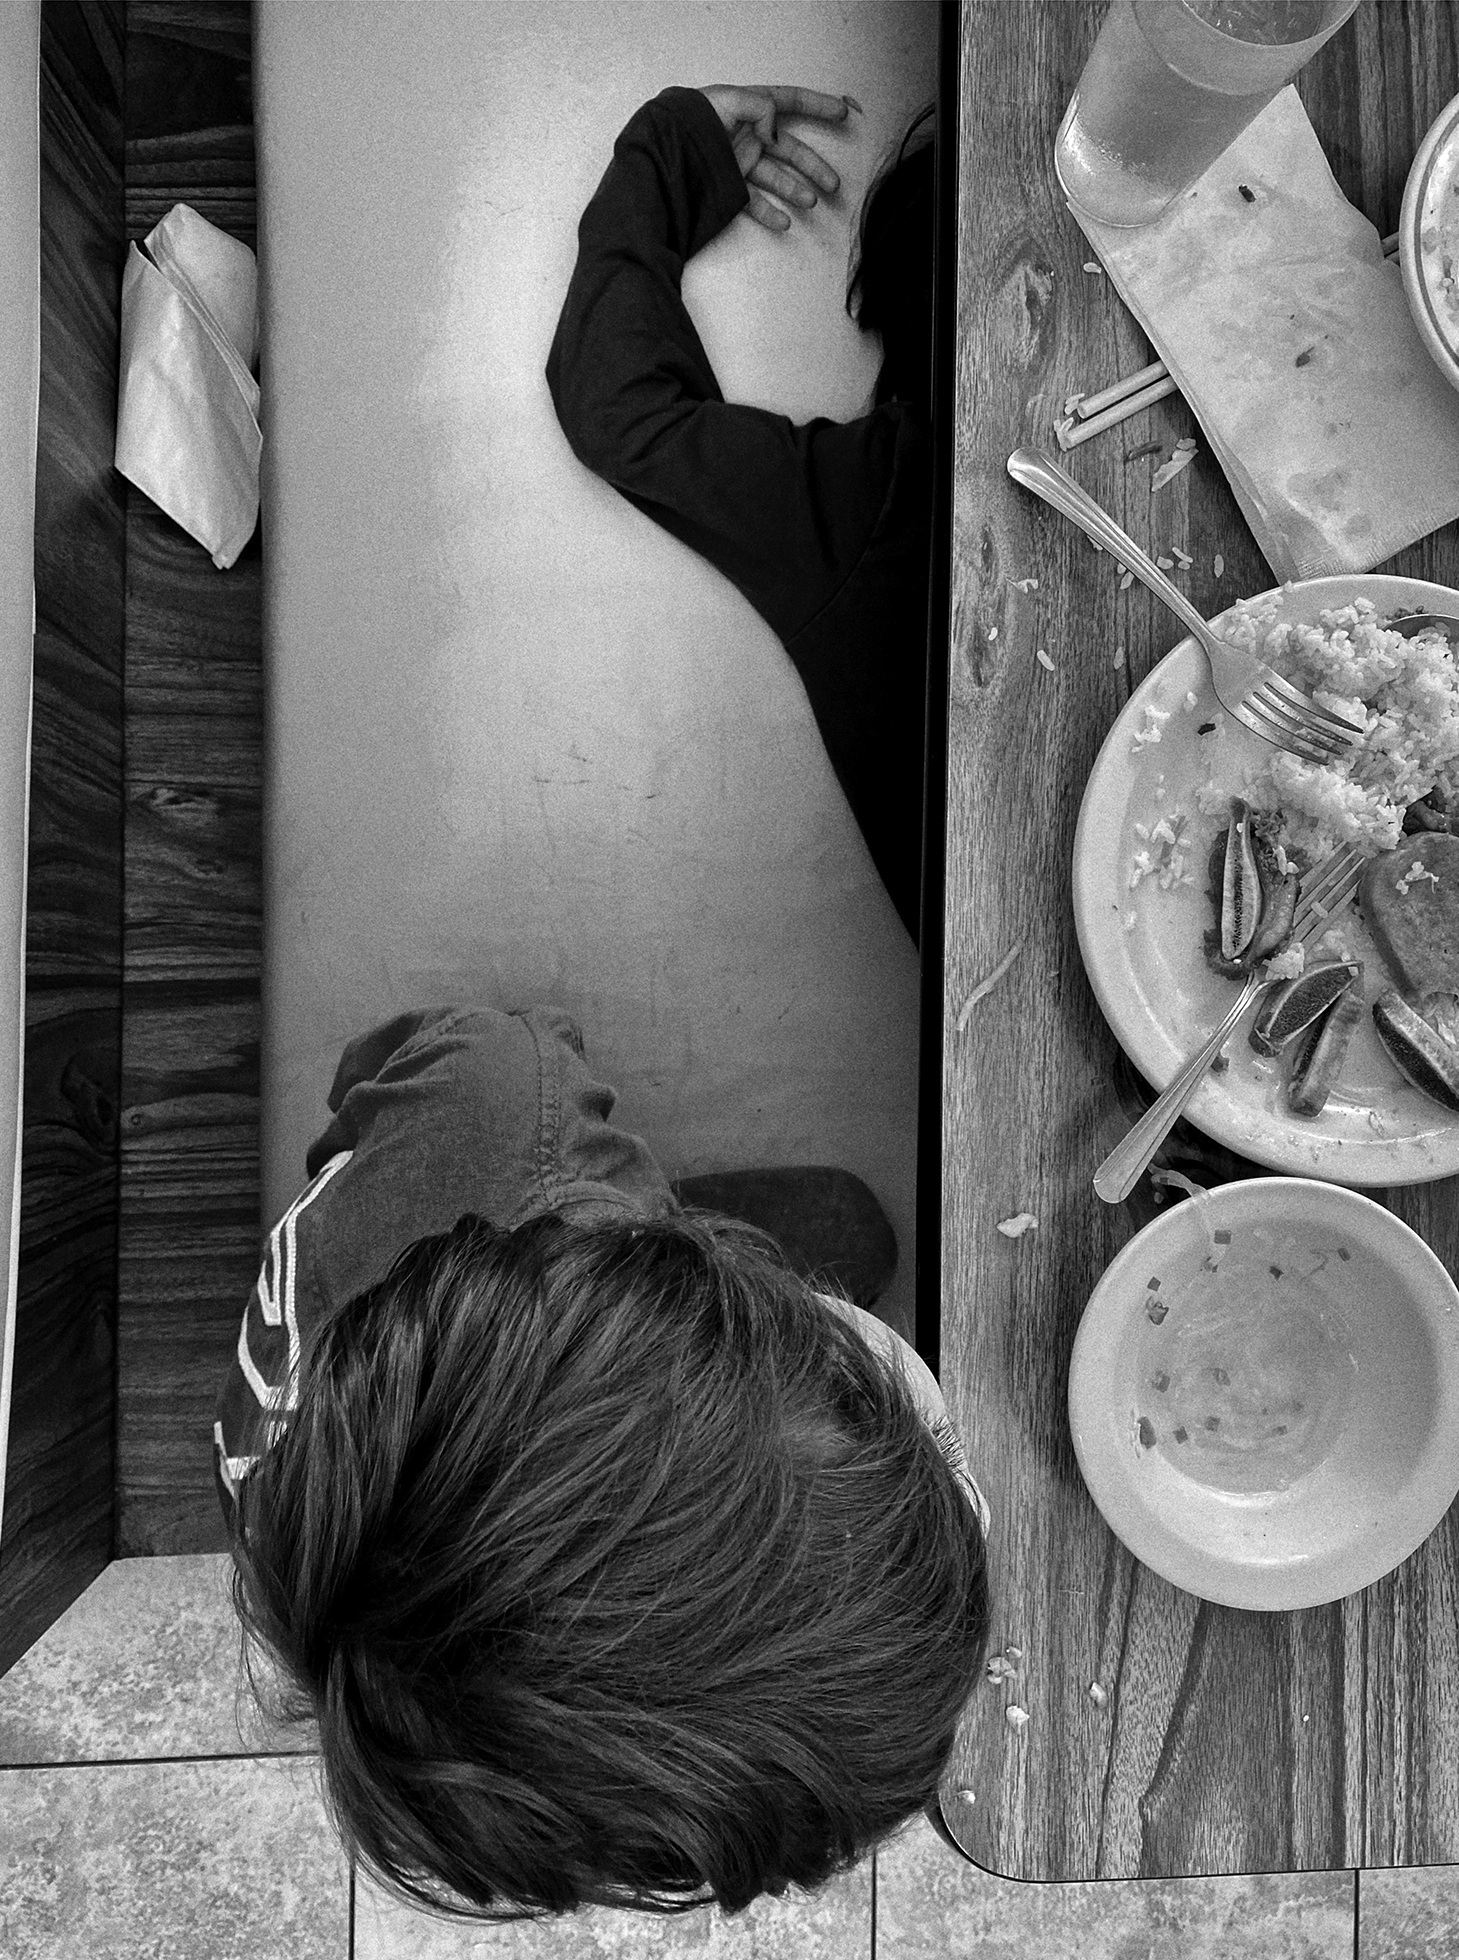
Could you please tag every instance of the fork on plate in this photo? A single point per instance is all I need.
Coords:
(1323, 893)
(1246, 686)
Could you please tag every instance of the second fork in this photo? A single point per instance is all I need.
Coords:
(1325, 892)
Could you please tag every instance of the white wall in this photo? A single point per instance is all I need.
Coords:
(523, 745)
(19, 398)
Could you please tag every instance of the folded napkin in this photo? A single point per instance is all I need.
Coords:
(1268, 298)
(187, 410)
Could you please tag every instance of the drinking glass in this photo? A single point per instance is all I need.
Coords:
(1168, 85)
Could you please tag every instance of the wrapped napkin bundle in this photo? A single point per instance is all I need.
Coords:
(187, 412)
(1269, 299)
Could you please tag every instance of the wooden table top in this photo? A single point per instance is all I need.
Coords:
(1231, 1741)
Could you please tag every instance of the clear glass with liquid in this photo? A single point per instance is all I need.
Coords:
(1170, 84)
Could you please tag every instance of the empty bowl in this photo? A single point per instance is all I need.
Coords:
(1264, 1393)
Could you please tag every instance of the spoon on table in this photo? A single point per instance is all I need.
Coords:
(1410, 625)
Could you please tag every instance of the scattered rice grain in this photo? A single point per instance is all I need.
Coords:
(1184, 450)
(1149, 730)
(985, 987)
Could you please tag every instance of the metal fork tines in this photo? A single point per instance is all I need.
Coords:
(1324, 893)
(1283, 714)
(1247, 688)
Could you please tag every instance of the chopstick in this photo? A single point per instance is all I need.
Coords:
(1091, 415)
(1116, 404)
(1090, 405)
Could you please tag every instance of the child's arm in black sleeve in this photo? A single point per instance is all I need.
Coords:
(783, 511)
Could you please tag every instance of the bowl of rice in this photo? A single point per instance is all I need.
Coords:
(1264, 1393)
(1428, 240)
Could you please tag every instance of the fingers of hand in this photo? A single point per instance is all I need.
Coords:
(810, 163)
(767, 214)
(782, 182)
(807, 102)
(734, 105)
(748, 149)
(771, 160)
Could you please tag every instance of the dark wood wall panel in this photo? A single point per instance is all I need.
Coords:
(190, 113)
(189, 1176)
(60, 1474)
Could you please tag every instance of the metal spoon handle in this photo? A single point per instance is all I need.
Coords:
(1041, 474)
(1120, 1172)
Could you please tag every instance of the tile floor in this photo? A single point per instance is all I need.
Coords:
(147, 1810)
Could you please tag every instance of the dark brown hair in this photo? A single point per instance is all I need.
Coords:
(615, 1569)
(891, 287)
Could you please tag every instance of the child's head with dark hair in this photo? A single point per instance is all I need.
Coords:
(891, 289)
(615, 1568)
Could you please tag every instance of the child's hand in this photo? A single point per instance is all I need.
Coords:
(770, 161)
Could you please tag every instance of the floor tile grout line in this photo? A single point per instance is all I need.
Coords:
(1357, 1928)
(151, 1762)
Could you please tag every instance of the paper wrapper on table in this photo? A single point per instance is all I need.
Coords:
(187, 409)
(1268, 298)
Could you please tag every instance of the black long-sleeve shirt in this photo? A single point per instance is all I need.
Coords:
(824, 527)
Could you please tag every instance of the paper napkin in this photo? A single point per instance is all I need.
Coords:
(1268, 298)
(187, 412)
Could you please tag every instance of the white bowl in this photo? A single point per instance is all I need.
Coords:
(1276, 1423)
(1428, 230)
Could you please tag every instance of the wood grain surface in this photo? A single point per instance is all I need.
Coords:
(58, 1510)
(189, 1227)
(1230, 1742)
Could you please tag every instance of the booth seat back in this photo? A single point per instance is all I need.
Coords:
(523, 746)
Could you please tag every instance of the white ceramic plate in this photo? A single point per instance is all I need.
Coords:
(1428, 232)
(1282, 1431)
(1143, 952)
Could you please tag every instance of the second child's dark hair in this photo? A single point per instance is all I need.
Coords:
(614, 1568)
(891, 287)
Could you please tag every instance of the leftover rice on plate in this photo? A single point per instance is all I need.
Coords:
(1405, 694)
